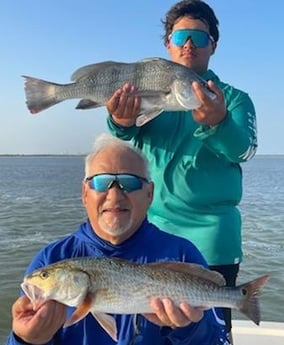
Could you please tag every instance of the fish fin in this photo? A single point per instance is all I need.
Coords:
(87, 104)
(93, 69)
(107, 322)
(40, 94)
(192, 269)
(249, 304)
(151, 59)
(146, 117)
(82, 310)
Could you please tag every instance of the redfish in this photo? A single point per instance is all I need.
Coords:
(116, 286)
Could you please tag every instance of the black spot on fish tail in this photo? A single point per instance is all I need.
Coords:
(249, 304)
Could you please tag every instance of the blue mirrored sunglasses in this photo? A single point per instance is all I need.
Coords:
(199, 38)
(126, 182)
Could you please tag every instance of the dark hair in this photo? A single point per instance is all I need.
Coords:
(196, 9)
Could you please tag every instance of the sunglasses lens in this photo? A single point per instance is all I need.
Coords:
(100, 183)
(128, 183)
(199, 38)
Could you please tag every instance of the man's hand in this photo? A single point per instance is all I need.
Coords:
(37, 327)
(167, 314)
(211, 112)
(124, 105)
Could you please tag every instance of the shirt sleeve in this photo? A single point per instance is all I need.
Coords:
(13, 339)
(235, 137)
(124, 133)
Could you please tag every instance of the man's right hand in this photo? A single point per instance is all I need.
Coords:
(37, 327)
(124, 105)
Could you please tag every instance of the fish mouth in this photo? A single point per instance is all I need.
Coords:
(35, 294)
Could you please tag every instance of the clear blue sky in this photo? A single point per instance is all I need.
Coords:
(51, 39)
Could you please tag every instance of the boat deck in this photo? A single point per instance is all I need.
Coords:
(267, 333)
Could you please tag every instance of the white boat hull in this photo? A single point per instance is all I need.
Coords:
(267, 333)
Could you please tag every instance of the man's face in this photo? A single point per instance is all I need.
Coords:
(188, 54)
(115, 214)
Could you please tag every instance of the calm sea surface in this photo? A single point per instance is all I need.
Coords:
(40, 201)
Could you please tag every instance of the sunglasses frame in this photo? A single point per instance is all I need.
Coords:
(116, 181)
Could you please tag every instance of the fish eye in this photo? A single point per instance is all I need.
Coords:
(44, 275)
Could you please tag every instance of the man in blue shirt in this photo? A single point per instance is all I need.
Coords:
(117, 192)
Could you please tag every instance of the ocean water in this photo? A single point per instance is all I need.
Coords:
(40, 200)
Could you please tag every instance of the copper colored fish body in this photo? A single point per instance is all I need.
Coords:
(161, 84)
(116, 286)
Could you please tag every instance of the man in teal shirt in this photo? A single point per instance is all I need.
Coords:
(195, 155)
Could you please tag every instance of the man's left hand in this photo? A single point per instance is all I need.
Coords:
(166, 313)
(212, 111)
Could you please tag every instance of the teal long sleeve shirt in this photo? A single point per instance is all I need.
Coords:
(197, 173)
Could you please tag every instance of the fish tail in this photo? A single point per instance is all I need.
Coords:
(40, 94)
(249, 304)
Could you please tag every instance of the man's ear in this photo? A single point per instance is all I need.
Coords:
(151, 192)
(168, 45)
(84, 191)
(214, 46)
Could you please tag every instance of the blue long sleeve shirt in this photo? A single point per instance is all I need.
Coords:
(148, 244)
